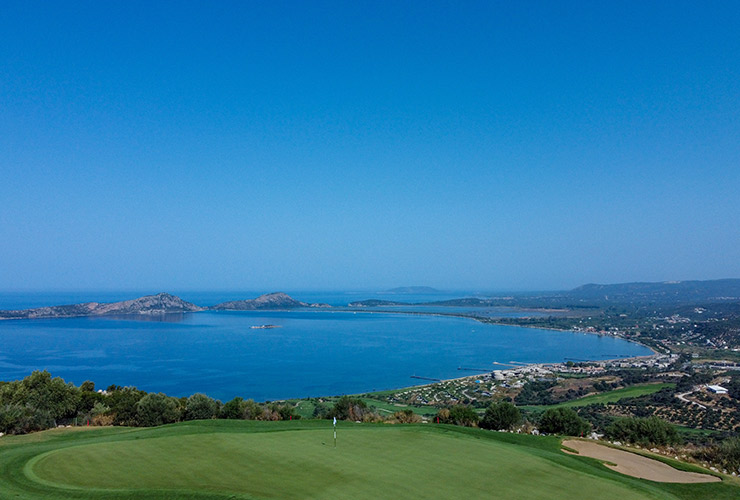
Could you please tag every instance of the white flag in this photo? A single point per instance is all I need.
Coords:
(335, 421)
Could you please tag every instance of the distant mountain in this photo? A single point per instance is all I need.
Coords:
(161, 303)
(412, 290)
(277, 300)
(660, 292)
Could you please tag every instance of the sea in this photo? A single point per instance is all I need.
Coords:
(311, 353)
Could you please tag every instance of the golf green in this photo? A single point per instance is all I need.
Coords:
(300, 461)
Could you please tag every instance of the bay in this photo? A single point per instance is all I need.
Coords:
(312, 353)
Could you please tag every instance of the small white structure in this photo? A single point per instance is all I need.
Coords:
(717, 389)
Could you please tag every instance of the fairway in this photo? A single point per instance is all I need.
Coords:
(298, 460)
(632, 391)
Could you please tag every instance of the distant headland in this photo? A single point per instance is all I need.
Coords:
(413, 290)
(161, 303)
(591, 296)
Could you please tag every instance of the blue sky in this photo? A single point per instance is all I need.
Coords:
(319, 145)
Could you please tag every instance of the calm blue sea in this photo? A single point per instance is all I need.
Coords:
(314, 353)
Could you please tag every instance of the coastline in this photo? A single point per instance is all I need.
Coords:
(491, 320)
(467, 315)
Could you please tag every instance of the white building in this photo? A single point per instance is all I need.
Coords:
(717, 389)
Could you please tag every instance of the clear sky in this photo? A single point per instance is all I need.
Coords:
(341, 145)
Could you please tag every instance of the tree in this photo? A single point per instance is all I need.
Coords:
(252, 410)
(157, 409)
(19, 419)
(88, 386)
(500, 415)
(201, 407)
(234, 409)
(458, 415)
(87, 401)
(122, 403)
(563, 421)
(644, 431)
(49, 397)
(347, 408)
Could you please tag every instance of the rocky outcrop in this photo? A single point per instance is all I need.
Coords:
(277, 300)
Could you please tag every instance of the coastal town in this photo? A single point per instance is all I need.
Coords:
(689, 392)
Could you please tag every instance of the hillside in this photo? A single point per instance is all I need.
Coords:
(661, 292)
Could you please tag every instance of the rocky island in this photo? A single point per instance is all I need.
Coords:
(277, 300)
(161, 303)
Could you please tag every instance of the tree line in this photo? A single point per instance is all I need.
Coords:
(41, 401)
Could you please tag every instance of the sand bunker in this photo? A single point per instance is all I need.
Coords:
(636, 465)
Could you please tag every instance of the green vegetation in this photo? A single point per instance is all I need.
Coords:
(458, 415)
(348, 408)
(536, 393)
(220, 459)
(725, 453)
(643, 431)
(41, 402)
(157, 409)
(609, 396)
(563, 421)
(500, 416)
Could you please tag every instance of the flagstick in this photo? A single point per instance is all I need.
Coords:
(335, 432)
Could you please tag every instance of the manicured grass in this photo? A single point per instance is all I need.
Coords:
(632, 391)
(235, 459)
(305, 407)
(386, 408)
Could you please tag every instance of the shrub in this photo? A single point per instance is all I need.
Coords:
(122, 402)
(563, 421)
(406, 417)
(536, 393)
(201, 407)
(644, 431)
(157, 409)
(234, 409)
(500, 415)
(725, 454)
(458, 415)
(347, 408)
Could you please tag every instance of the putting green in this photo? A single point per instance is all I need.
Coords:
(400, 462)
(239, 459)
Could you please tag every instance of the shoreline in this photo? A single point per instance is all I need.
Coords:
(453, 314)
(490, 320)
